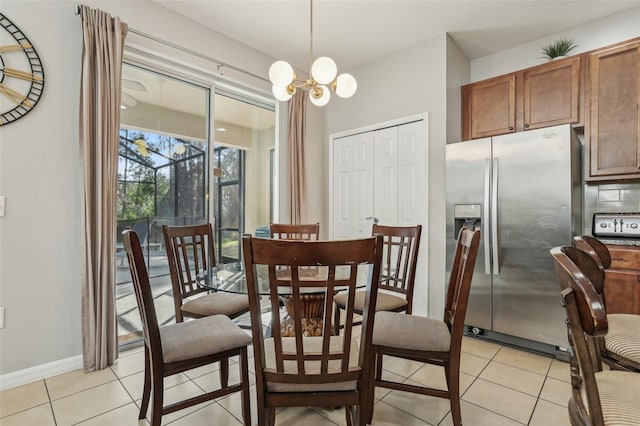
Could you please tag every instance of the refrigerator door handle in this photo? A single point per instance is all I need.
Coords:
(485, 214)
(494, 217)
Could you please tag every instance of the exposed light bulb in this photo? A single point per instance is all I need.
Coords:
(281, 93)
(345, 85)
(281, 74)
(319, 95)
(180, 148)
(324, 70)
(142, 147)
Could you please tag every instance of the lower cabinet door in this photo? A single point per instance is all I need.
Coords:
(621, 291)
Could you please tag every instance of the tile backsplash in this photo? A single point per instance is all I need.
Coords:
(616, 197)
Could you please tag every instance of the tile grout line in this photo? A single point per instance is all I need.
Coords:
(53, 413)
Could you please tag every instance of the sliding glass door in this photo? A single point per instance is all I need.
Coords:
(181, 164)
(163, 178)
(244, 173)
(229, 198)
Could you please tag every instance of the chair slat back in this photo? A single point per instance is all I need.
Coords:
(298, 270)
(595, 248)
(460, 281)
(600, 255)
(399, 259)
(142, 289)
(283, 231)
(586, 319)
(190, 252)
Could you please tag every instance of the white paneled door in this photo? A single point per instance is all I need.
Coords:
(399, 164)
(379, 175)
(352, 185)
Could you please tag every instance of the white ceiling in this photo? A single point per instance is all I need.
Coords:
(357, 32)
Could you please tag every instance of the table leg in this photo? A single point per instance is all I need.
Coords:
(312, 313)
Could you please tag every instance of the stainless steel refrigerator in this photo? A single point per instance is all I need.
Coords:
(523, 191)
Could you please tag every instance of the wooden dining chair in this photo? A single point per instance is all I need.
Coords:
(398, 273)
(324, 370)
(620, 348)
(182, 346)
(190, 253)
(598, 397)
(428, 340)
(285, 231)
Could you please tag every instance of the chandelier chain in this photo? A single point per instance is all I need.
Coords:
(310, 34)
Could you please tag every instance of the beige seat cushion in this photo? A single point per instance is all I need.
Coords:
(619, 397)
(623, 337)
(385, 302)
(217, 303)
(311, 345)
(404, 331)
(200, 337)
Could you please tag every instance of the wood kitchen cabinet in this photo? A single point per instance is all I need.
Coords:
(489, 107)
(541, 96)
(622, 280)
(614, 117)
(551, 94)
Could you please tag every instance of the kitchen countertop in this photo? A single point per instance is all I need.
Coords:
(620, 241)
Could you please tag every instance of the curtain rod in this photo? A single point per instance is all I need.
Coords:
(218, 63)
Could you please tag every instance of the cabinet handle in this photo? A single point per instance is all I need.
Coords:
(511, 128)
(526, 126)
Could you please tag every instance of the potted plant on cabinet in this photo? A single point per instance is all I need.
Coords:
(558, 49)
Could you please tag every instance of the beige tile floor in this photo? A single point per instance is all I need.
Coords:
(501, 386)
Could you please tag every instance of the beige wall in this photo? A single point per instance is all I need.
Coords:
(610, 30)
(457, 75)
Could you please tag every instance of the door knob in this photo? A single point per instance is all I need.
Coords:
(375, 219)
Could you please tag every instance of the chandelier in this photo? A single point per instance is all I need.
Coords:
(322, 76)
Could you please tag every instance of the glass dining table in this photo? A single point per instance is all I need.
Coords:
(231, 277)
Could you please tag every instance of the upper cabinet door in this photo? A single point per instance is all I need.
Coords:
(614, 129)
(552, 94)
(489, 107)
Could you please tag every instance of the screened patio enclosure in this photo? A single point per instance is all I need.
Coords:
(161, 180)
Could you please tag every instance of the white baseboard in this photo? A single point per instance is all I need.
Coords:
(39, 372)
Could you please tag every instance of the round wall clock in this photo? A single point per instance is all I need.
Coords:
(21, 73)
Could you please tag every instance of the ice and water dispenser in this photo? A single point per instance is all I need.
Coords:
(467, 215)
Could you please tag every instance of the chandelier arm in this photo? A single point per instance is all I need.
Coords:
(299, 82)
